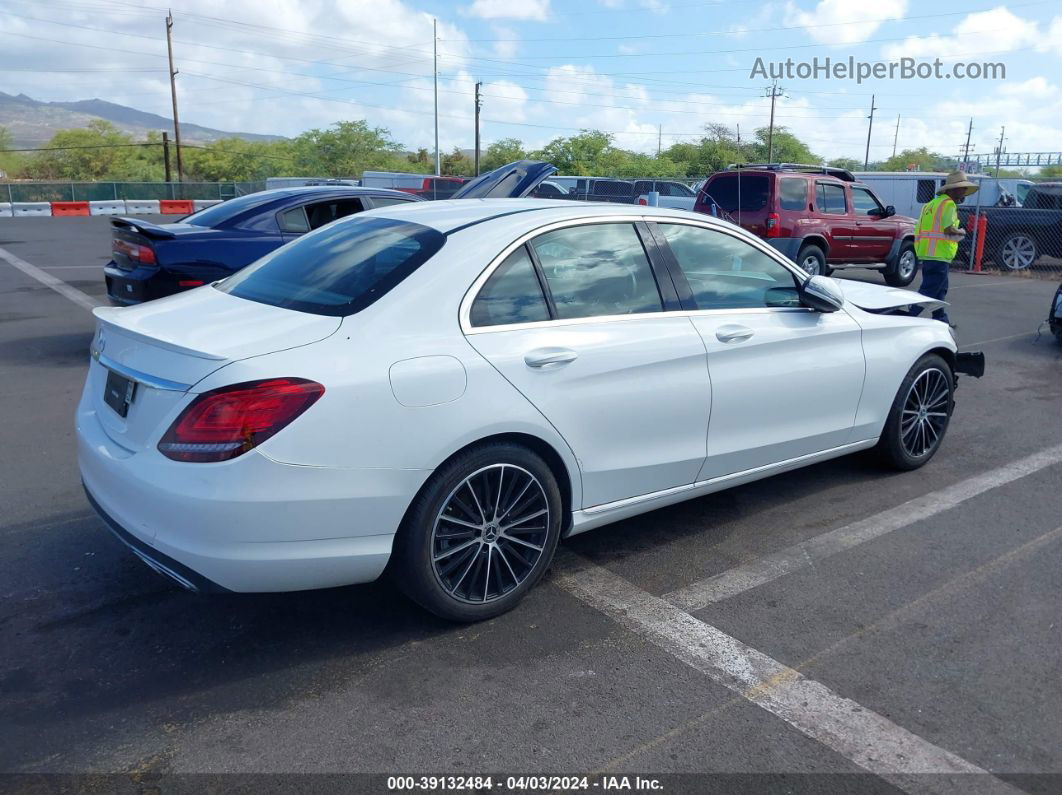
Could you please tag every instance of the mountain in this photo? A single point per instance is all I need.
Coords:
(33, 123)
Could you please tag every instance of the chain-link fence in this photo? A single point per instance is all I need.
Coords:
(113, 191)
(1012, 225)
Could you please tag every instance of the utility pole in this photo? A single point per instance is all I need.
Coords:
(659, 137)
(435, 61)
(966, 148)
(166, 154)
(870, 128)
(739, 134)
(173, 94)
(999, 149)
(896, 135)
(479, 104)
(773, 91)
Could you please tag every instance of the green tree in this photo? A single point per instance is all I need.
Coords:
(507, 150)
(346, 149)
(238, 160)
(1051, 172)
(849, 163)
(457, 164)
(588, 153)
(98, 151)
(921, 159)
(787, 148)
(10, 162)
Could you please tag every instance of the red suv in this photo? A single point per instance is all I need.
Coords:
(820, 218)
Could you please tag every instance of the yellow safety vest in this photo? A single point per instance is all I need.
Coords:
(930, 240)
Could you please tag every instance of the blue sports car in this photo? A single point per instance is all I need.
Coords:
(152, 260)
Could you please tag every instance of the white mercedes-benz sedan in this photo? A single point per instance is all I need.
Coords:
(446, 389)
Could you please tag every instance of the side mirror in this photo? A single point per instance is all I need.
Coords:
(821, 294)
(890, 211)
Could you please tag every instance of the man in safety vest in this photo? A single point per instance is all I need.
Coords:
(937, 236)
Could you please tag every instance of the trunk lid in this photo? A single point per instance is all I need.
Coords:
(513, 181)
(166, 347)
(877, 298)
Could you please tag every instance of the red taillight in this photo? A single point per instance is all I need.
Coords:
(643, 202)
(145, 255)
(227, 422)
(774, 228)
(190, 283)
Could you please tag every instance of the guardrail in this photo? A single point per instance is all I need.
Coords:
(118, 207)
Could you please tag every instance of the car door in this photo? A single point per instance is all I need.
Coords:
(874, 232)
(832, 205)
(785, 380)
(574, 320)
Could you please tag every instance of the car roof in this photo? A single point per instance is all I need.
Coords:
(329, 190)
(452, 214)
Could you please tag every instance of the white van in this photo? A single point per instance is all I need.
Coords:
(907, 191)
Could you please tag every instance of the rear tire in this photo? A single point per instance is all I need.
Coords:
(812, 260)
(480, 533)
(1017, 252)
(919, 415)
(902, 272)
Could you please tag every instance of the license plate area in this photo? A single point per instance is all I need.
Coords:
(119, 392)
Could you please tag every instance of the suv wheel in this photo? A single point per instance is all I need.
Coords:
(1017, 252)
(480, 534)
(812, 259)
(902, 272)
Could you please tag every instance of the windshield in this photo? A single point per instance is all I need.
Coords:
(220, 213)
(340, 269)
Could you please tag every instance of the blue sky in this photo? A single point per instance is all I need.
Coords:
(551, 67)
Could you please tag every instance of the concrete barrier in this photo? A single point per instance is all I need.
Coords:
(141, 206)
(23, 209)
(69, 208)
(113, 207)
(202, 204)
(176, 206)
(5, 210)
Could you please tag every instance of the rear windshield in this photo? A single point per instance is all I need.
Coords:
(745, 192)
(339, 269)
(220, 213)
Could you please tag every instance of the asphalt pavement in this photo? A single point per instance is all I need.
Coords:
(834, 620)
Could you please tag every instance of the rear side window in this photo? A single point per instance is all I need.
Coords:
(597, 270)
(340, 269)
(387, 201)
(512, 294)
(792, 193)
(227, 210)
(744, 192)
(831, 199)
(294, 220)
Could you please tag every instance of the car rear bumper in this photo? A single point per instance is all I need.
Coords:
(250, 524)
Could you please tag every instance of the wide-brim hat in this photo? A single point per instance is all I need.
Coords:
(957, 180)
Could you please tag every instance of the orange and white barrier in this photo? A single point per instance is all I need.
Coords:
(113, 207)
(141, 206)
(27, 209)
(176, 206)
(202, 204)
(60, 209)
(5, 209)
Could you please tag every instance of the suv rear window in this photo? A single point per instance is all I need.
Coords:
(792, 193)
(753, 190)
(339, 269)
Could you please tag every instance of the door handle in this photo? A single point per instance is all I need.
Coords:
(549, 357)
(733, 333)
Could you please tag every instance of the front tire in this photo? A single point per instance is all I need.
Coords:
(919, 415)
(1017, 252)
(480, 534)
(902, 272)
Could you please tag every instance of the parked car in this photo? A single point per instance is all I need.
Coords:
(449, 388)
(673, 194)
(593, 189)
(549, 189)
(820, 218)
(1016, 237)
(427, 186)
(1054, 315)
(153, 260)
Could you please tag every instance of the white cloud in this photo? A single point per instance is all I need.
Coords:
(985, 31)
(506, 45)
(532, 10)
(821, 22)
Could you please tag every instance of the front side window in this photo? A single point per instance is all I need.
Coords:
(831, 199)
(512, 294)
(725, 272)
(864, 202)
(337, 270)
(597, 270)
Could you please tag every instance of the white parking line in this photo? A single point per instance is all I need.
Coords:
(803, 555)
(997, 339)
(83, 300)
(866, 738)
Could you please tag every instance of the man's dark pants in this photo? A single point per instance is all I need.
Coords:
(934, 285)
